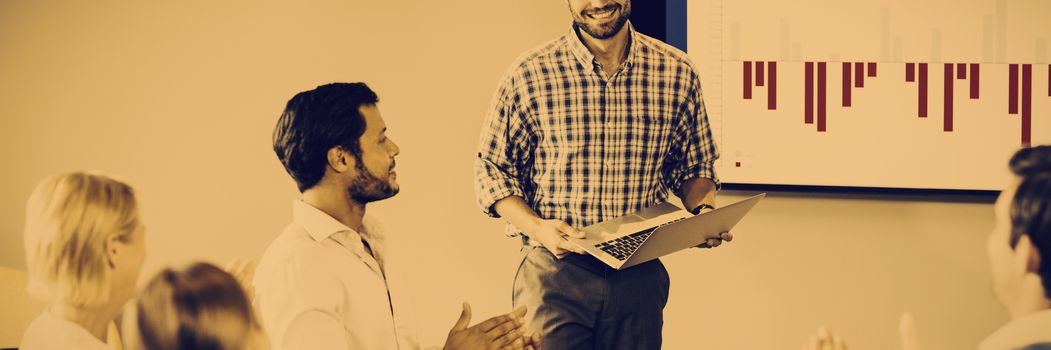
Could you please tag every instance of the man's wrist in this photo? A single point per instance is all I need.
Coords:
(530, 225)
(701, 207)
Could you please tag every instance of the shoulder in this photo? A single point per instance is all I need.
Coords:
(296, 262)
(50, 332)
(544, 54)
(655, 51)
(292, 239)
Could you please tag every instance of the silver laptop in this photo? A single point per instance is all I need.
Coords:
(657, 231)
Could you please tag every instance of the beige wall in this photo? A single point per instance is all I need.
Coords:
(179, 98)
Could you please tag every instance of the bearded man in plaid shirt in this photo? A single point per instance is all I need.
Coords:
(598, 123)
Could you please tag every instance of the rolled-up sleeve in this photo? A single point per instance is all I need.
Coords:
(502, 149)
(693, 149)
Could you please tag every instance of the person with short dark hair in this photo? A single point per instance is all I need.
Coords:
(1020, 253)
(1019, 250)
(327, 281)
(598, 123)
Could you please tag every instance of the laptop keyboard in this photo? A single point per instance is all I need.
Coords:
(623, 247)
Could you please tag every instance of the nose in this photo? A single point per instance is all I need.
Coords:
(393, 147)
(601, 3)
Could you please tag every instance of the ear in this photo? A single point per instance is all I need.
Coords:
(113, 249)
(339, 159)
(1027, 257)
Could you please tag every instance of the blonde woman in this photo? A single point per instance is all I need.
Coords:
(84, 247)
(197, 307)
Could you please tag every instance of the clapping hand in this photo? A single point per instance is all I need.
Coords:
(825, 340)
(243, 272)
(504, 332)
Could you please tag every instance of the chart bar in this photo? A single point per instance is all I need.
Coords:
(948, 97)
(821, 67)
(748, 80)
(808, 114)
(759, 76)
(1027, 105)
(1012, 90)
(974, 80)
(859, 74)
(771, 87)
(846, 84)
(923, 90)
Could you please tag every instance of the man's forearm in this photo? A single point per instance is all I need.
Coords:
(515, 210)
(696, 191)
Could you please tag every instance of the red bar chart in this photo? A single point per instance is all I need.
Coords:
(890, 99)
(853, 77)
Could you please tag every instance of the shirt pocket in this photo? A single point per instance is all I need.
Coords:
(651, 133)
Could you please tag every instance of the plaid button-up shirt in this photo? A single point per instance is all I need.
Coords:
(582, 147)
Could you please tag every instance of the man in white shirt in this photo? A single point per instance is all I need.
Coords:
(326, 282)
(1019, 250)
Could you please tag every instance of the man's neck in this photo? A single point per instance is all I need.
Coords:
(1028, 299)
(611, 53)
(95, 320)
(336, 203)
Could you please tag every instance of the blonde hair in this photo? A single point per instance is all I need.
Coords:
(69, 217)
(198, 307)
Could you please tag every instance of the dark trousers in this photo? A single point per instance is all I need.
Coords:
(581, 303)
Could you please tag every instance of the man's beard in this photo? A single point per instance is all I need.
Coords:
(368, 188)
(603, 32)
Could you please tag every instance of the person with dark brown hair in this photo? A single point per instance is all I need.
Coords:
(598, 123)
(196, 307)
(1019, 250)
(329, 281)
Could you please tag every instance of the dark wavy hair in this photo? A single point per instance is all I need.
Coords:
(198, 307)
(1031, 205)
(316, 120)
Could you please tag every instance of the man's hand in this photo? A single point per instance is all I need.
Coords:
(715, 242)
(243, 272)
(825, 340)
(910, 339)
(552, 234)
(502, 332)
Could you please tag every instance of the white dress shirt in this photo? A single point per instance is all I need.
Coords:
(1034, 328)
(318, 288)
(50, 332)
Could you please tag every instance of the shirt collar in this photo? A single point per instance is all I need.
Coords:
(318, 224)
(1027, 330)
(581, 52)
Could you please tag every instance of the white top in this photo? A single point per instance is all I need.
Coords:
(1030, 329)
(50, 332)
(318, 288)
